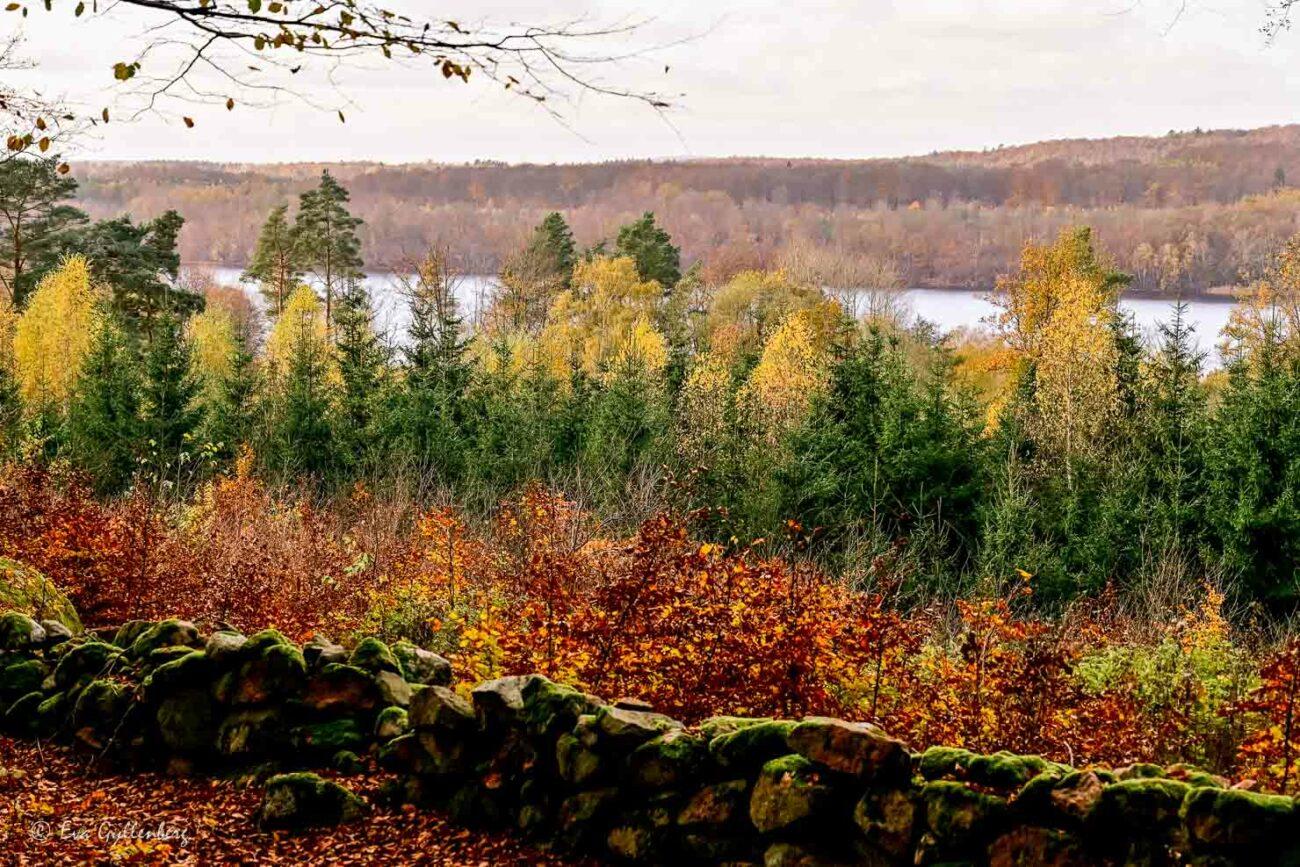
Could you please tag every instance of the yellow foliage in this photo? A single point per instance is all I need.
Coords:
(756, 302)
(794, 369)
(1056, 317)
(299, 329)
(212, 335)
(603, 321)
(705, 400)
(55, 334)
(1272, 306)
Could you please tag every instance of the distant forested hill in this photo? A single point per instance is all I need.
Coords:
(1182, 212)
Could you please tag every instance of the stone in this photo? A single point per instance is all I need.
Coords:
(391, 722)
(421, 666)
(338, 687)
(303, 800)
(502, 700)
(192, 668)
(635, 843)
(126, 634)
(750, 747)
(392, 689)
(960, 815)
(277, 671)
(252, 733)
(329, 737)
(439, 708)
(577, 764)
(1033, 846)
(715, 726)
(225, 647)
(320, 652)
(723, 803)
(1235, 822)
(18, 632)
(51, 716)
(165, 633)
(671, 760)
(21, 717)
(24, 590)
(55, 632)
(631, 727)
(888, 820)
(347, 762)
(1076, 795)
(99, 712)
(785, 854)
(20, 677)
(859, 749)
(632, 704)
(186, 720)
(550, 708)
(374, 656)
(1137, 806)
(788, 793)
(586, 808)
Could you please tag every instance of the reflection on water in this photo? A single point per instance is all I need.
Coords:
(946, 309)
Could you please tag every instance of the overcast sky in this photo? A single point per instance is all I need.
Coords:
(833, 78)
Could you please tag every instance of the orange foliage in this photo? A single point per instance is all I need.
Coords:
(693, 628)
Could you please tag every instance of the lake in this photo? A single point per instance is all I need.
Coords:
(947, 309)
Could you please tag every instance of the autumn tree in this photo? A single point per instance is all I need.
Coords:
(325, 240)
(54, 336)
(33, 192)
(534, 275)
(274, 266)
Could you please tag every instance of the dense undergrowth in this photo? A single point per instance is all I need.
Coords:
(695, 628)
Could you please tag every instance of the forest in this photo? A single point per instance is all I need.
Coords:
(1181, 213)
(632, 464)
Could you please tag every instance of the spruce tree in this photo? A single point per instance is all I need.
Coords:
(170, 413)
(275, 266)
(230, 413)
(652, 249)
(437, 372)
(104, 429)
(362, 360)
(325, 239)
(302, 423)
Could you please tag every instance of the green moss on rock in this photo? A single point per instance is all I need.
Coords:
(374, 656)
(25, 590)
(788, 793)
(165, 633)
(1231, 821)
(749, 747)
(303, 800)
(957, 814)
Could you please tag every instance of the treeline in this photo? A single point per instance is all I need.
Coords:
(1063, 452)
(1181, 213)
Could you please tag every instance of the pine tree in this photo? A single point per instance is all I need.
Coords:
(274, 266)
(104, 429)
(325, 239)
(170, 412)
(652, 249)
(35, 220)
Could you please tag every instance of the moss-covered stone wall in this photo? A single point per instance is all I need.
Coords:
(616, 781)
